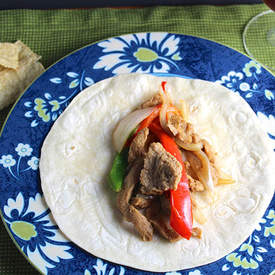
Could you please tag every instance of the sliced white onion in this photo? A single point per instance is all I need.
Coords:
(163, 111)
(225, 181)
(127, 125)
(184, 110)
(188, 146)
(163, 118)
(198, 215)
(204, 174)
(196, 209)
(184, 158)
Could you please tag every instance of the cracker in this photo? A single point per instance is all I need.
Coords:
(13, 81)
(26, 55)
(9, 55)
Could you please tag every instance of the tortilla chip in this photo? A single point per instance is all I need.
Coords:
(27, 73)
(14, 81)
(9, 55)
(26, 55)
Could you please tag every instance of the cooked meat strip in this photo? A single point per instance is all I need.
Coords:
(161, 171)
(165, 204)
(196, 232)
(194, 161)
(130, 181)
(181, 129)
(189, 171)
(175, 123)
(142, 225)
(193, 181)
(137, 148)
(160, 221)
(195, 185)
(208, 151)
(155, 100)
(195, 138)
(188, 135)
(129, 212)
(141, 201)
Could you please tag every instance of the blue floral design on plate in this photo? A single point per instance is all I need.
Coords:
(23, 150)
(24, 211)
(142, 53)
(33, 228)
(47, 108)
(239, 81)
(251, 253)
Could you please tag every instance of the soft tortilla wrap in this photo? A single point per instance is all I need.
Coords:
(19, 66)
(77, 155)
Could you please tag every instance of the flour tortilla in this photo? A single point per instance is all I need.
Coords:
(19, 66)
(77, 155)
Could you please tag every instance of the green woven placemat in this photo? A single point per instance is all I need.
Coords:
(55, 33)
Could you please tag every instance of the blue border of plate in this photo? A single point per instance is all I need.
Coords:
(164, 54)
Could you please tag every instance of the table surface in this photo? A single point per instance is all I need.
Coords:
(44, 4)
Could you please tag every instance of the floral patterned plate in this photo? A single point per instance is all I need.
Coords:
(24, 212)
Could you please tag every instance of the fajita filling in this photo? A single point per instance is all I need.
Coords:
(160, 162)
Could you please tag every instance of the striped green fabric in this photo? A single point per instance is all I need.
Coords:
(55, 33)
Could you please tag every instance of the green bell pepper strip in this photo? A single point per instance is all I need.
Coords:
(118, 170)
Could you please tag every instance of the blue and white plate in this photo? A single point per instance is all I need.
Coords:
(23, 208)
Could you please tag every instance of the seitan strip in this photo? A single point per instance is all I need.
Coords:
(153, 101)
(141, 201)
(138, 145)
(129, 212)
(161, 171)
(196, 232)
(195, 185)
(161, 222)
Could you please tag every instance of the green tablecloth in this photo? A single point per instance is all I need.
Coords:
(55, 33)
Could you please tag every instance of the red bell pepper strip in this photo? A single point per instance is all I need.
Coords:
(144, 124)
(148, 120)
(181, 219)
(163, 83)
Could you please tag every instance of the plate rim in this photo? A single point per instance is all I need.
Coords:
(68, 55)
